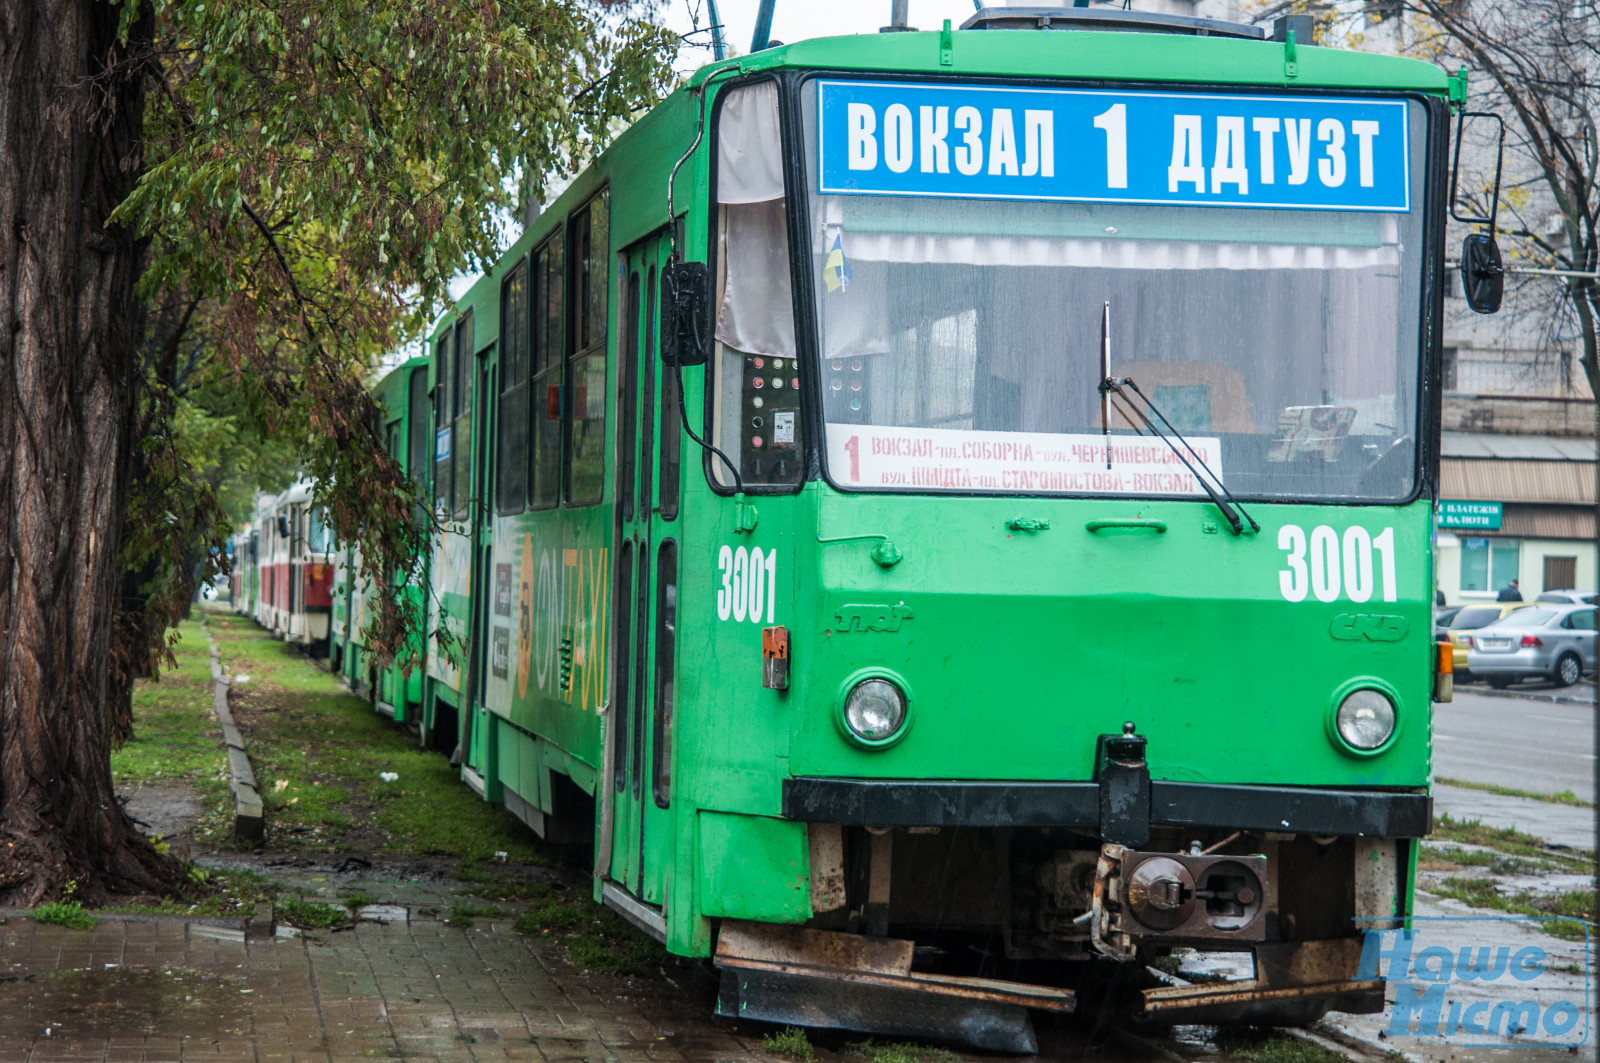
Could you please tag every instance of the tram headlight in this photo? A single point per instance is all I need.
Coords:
(875, 711)
(1365, 719)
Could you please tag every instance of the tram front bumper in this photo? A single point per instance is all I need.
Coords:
(1076, 805)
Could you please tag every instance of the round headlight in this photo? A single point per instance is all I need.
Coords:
(875, 710)
(1366, 719)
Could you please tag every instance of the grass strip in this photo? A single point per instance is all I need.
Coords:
(1563, 797)
(1557, 909)
(319, 754)
(1507, 840)
(176, 737)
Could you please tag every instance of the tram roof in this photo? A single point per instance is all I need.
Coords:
(1130, 55)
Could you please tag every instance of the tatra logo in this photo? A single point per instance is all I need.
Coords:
(1374, 627)
(871, 617)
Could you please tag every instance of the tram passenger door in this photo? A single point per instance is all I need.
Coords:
(638, 733)
(475, 735)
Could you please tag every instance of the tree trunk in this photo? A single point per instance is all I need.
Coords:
(71, 108)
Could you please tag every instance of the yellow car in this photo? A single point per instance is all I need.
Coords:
(1470, 619)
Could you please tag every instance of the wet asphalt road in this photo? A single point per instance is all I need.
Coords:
(1524, 742)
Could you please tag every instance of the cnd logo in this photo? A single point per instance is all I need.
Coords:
(1374, 627)
(871, 617)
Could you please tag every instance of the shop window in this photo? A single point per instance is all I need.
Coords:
(1489, 564)
(756, 397)
(1560, 573)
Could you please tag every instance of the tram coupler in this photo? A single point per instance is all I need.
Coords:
(1193, 896)
(1123, 773)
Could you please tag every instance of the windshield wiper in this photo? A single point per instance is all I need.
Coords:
(1110, 384)
(1184, 452)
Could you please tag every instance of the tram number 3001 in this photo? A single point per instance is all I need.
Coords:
(749, 588)
(1336, 564)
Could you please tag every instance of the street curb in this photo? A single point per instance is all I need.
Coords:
(1536, 695)
(221, 922)
(249, 814)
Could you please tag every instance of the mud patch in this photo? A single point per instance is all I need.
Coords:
(165, 809)
(169, 1002)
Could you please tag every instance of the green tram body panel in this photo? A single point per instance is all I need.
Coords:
(1016, 646)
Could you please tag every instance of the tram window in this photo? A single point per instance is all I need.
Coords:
(417, 414)
(647, 408)
(585, 453)
(756, 397)
(621, 706)
(317, 528)
(671, 445)
(512, 429)
(548, 284)
(445, 420)
(666, 641)
(628, 399)
(461, 393)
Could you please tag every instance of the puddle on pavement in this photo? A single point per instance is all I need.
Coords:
(124, 1001)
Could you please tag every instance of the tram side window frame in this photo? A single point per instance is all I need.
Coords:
(417, 432)
(511, 488)
(462, 388)
(724, 385)
(443, 418)
(547, 363)
(583, 475)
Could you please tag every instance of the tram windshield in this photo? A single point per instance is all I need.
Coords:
(960, 340)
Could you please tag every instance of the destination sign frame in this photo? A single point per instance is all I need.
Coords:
(952, 140)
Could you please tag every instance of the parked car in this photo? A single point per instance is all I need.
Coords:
(1567, 597)
(1470, 619)
(1555, 642)
(1442, 615)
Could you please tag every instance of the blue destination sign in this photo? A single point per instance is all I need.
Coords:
(1300, 153)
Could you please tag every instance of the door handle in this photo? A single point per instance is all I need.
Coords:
(1130, 523)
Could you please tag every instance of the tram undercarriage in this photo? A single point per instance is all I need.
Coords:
(939, 911)
(956, 933)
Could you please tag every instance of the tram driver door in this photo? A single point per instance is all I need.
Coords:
(636, 839)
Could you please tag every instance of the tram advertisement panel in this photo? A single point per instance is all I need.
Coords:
(988, 142)
(1034, 462)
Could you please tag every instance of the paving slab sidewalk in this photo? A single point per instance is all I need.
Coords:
(169, 991)
(1569, 825)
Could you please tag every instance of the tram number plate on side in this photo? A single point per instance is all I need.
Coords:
(749, 588)
(1325, 564)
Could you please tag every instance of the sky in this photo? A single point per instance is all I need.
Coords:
(797, 20)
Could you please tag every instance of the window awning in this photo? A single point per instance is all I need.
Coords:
(1570, 483)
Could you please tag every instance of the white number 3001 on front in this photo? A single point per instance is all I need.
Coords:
(749, 584)
(1336, 564)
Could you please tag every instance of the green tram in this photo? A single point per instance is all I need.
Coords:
(404, 396)
(948, 515)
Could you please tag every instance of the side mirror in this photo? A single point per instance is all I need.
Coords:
(685, 313)
(1483, 275)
